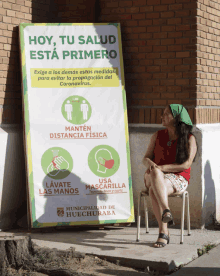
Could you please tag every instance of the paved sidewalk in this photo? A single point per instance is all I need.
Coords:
(206, 265)
(119, 243)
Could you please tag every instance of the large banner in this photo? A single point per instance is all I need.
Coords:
(76, 130)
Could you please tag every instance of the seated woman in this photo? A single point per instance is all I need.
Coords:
(168, 159)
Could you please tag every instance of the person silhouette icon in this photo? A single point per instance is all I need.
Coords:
(69, 109)
(84, 108)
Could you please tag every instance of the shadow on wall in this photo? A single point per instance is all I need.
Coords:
(84, 11)
(57, 191)
(48, 11)
(42, 12)
(13, 197)
(209, 204)
(14, 180)
(12, 103)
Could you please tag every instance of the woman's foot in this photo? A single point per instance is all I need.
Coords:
(163, 239)
(167, 217)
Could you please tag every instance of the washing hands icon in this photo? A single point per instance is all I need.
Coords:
(58, 164)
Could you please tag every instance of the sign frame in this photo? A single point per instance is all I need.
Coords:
(32, 221)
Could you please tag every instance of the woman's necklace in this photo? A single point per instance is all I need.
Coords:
(169, 143)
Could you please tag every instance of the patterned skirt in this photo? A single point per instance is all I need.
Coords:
(178, 182)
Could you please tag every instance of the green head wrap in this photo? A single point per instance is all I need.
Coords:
(178, 109)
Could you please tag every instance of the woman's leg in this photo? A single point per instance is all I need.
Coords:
(165, 188)
(158, 214)
(161, 187)
(156, 208)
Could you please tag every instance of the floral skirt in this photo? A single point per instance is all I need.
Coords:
(178, 182)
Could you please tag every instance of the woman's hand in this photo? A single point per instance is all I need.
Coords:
(150, 165)
(160, 168)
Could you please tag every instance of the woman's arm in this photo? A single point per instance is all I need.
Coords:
(147, 160)
(187, 164)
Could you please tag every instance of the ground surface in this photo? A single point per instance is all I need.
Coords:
(90, 266)
(83, 266)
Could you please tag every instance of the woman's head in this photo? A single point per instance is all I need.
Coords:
(182, 121)
(178, 117)
(175, 115)
(167, 117)
(179, 110)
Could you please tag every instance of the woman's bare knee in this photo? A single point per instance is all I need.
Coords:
(155, 172)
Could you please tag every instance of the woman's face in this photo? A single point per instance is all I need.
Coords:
(167, 117)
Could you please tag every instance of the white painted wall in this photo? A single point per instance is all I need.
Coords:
(211, 172)
(204, 187)
(204, 190)
(12, 176)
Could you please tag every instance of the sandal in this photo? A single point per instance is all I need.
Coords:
(162, 236)
(167, 219)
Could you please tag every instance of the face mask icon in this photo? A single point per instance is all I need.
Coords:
(106, 163)
(104, 160)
